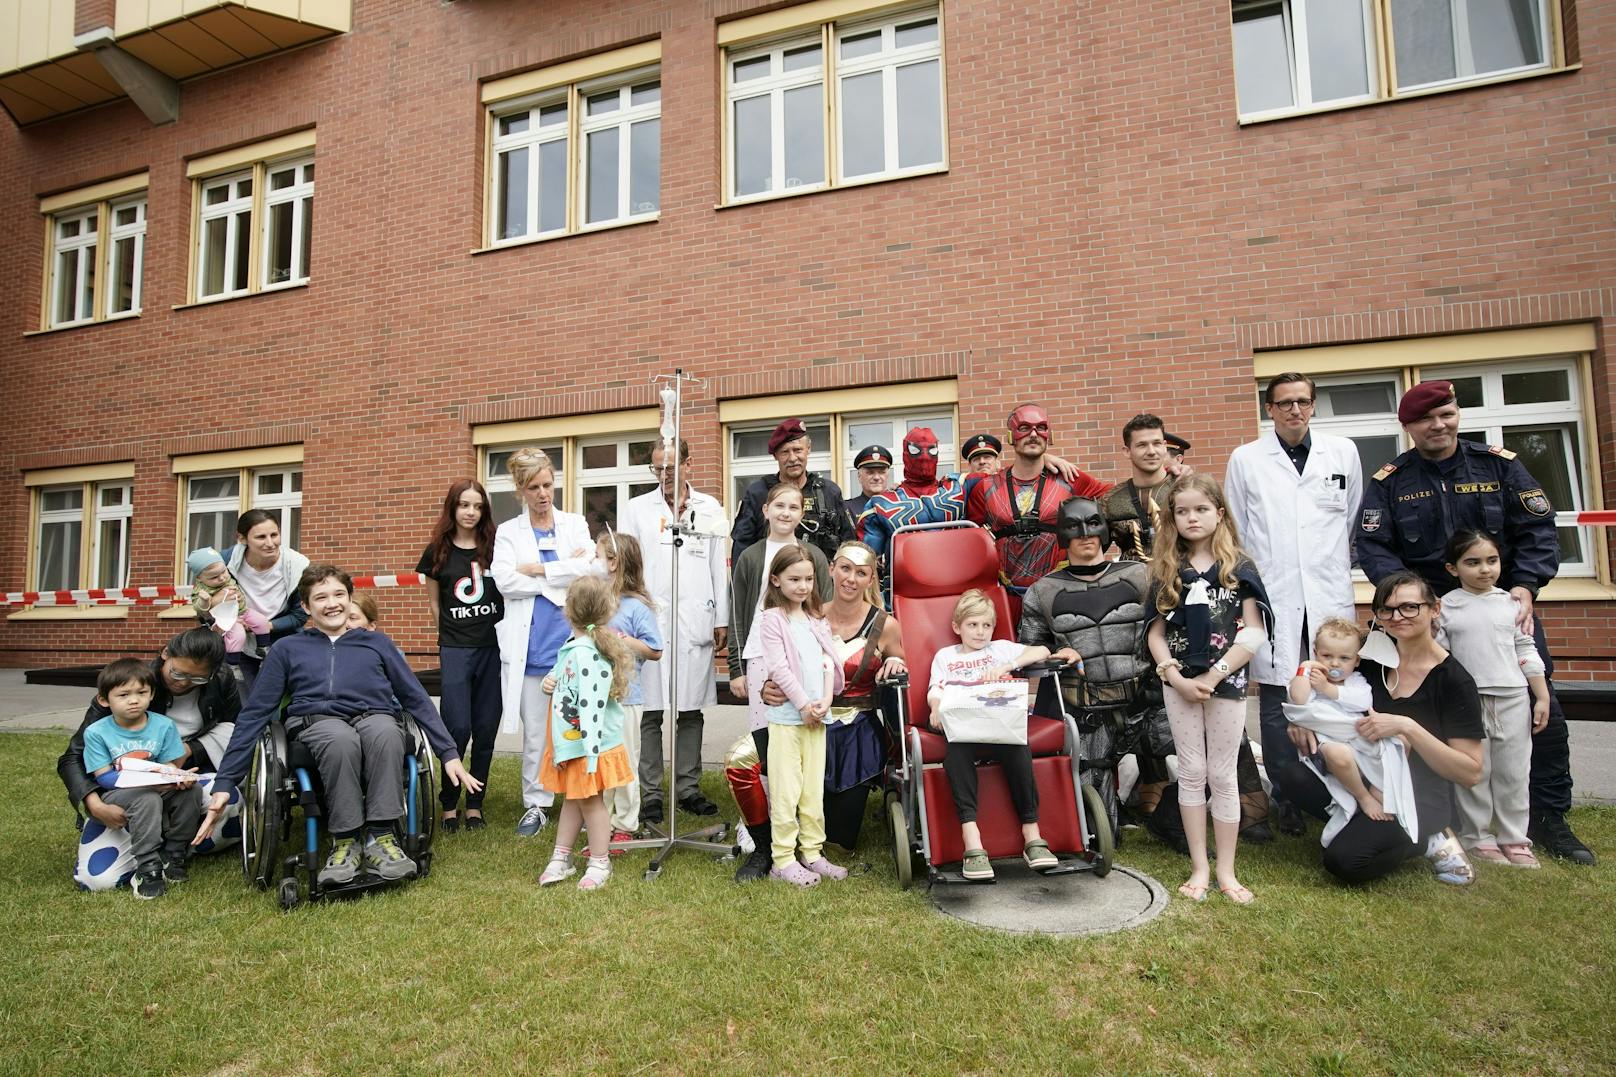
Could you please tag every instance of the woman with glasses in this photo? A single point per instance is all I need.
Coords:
(1430, 702)
(197, 691)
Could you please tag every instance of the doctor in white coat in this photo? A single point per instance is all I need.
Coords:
(703, 626)
(1294, 495)
(537, 555)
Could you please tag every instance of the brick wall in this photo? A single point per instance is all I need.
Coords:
(1108, 240)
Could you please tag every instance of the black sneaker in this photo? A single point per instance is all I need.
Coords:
(1257, 834)
(1552, 834)
(754, 867)
(651, 811)
(148, 884)
(1287, 817)
(174, 870)
(695, 804)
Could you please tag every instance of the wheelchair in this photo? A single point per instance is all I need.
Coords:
(1112, 718)
(932, 565)
(283, 776)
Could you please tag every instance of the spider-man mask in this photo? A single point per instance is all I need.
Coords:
(920, 461)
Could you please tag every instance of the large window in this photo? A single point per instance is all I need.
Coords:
(254, 218)
(882, 81)
(595, 474)
(80, 536)
(1297, 55)
(575, 154)
(216, 488)
(97, 250)
(1534, 407)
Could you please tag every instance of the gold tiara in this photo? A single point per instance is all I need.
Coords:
(855, 553)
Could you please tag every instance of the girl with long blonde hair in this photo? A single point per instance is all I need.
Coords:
(636, 624)
(1206, 606)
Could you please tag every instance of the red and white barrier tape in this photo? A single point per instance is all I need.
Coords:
(168, 594)
(1589, 518)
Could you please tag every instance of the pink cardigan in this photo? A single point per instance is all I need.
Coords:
(780, 663)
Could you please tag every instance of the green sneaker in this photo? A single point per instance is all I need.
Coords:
(343, 863)
(384, 858)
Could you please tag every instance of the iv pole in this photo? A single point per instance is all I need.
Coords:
(709, 839)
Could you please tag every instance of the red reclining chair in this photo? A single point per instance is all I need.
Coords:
(932, 565)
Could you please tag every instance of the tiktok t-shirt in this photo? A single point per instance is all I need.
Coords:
(469, 605)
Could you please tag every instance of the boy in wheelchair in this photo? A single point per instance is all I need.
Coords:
(343, 689)
(979, 657)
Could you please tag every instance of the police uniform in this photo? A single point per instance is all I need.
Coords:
(1412, 506)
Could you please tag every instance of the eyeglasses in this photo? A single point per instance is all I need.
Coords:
(665, 469)
(185, 678)
(1406, 611)
(1300, 404)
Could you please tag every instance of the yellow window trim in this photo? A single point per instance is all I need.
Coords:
(802, 16)
(563, 74)
(242, 156)
(830, 401)
(566, 426)
(1428, 351)
(70, 613)
(237, 459)
(178, 612)
(59, 476)
(95, 192)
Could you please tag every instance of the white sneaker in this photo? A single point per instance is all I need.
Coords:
(743, 839)
(1448, 860)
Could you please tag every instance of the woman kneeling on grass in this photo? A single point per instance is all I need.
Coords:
(1432, 703)
(345, 686)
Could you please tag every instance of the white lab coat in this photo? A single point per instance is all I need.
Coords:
(514, 545)
(1296, 528)
(703, 594)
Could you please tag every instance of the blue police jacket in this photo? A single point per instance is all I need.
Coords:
(1411, 508)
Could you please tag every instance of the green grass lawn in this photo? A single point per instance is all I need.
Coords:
(475, 969)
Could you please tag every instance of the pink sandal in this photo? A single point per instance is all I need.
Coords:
(825, 869)
(795, 874)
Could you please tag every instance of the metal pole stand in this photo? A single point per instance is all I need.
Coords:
(712, 839)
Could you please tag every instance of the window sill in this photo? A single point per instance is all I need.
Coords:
(865, 181)
(1411, 95)
(110, 319)
(276, 290)
(1563, 589)
(177, 613)
(604, 226)
(70, 613)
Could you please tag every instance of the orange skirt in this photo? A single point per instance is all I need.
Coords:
(573, 780)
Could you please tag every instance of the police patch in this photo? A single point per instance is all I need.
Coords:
(1536, 502)
(1371, 520)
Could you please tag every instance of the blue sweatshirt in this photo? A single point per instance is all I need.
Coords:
(359, 671)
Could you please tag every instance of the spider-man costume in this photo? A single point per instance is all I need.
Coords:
(919, 499)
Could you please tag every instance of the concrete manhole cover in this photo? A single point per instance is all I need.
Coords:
(1078, 904)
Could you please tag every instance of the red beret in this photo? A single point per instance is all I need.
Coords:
(788, 430)
(1422, 398)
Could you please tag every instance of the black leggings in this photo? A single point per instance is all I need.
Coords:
(960, 766)
(1368, 849)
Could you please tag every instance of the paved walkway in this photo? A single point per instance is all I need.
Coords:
(25, 707)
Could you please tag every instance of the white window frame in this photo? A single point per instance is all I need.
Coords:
(300, 193)
(622, 476)
(59, 518)
(1464, 61)
(117, 235)
(86, 247)
(530, 140)
(829, 36)
(775, 86)
(286, 505)
(1298, 60)
(209, 506)
(121, 514)
(887, 61)
(234, 206)
(899, 423)
(623, 118)
(1495, 417)
(820, 461)
(500, 482)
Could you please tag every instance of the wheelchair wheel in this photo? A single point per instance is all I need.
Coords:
(902, 855)
(288, 894)
(421, 784)
(1098, 836)
(263, 809)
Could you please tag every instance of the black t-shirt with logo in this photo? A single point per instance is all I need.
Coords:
(469, 608)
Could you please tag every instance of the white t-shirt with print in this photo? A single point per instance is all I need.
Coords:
(956, 664)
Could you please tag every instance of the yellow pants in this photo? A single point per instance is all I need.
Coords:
(796, 791)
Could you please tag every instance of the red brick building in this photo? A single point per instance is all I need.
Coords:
(867, 214)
